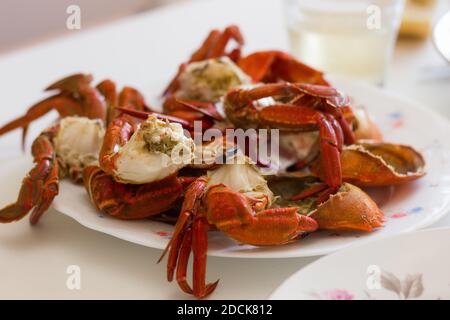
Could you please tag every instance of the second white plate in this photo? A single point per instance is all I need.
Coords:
(402, 267)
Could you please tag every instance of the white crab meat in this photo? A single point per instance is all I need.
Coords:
(244, 177)
(209, 80)
(366, 128)
(299, 145)
(78, 142)
(156, 150)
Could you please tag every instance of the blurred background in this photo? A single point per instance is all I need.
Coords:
(400, 55)
(25, 22)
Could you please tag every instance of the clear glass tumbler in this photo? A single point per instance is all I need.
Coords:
(352, 38)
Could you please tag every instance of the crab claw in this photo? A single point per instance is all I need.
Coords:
(349, 209)
(232, 213)
(71, 83)
(131, 201)
(369, 164)
(272, 66)
(75, 97)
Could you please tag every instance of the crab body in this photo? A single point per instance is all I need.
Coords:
(65, 148)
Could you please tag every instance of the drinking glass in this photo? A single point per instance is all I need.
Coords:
(352, 38)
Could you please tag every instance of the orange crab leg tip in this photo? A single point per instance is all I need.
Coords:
(307, 224)
(194, 191)
(11, 213)
(210, 287)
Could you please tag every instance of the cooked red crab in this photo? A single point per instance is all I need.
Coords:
(137, 176)
(64, 148)
(211, 71)
(236, 199)
(70, 145)
(374, 164)
(298, 108)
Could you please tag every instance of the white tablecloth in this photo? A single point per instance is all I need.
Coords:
(34, 260)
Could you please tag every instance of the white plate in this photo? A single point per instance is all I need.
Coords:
(401, 267)
(407, 207)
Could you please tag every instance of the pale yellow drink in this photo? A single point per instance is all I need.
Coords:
(354, 38)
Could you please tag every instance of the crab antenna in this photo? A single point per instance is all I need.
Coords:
(144, 115)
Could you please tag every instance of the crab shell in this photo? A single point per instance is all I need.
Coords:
(209, 80)
(349, 209)
(369, 164)
(157, 150)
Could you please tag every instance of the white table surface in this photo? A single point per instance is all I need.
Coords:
(33, 260)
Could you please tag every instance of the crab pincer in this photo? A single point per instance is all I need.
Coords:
(233, 199)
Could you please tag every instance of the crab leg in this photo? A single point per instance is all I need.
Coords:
(199, 248)
(64, 105)
(183, 260)
(191, 201)
(272, 66)
(144, 115)
(231, 212)
(337, 130)
(118, 133)
(347, 131)
(288, 116)
(108, 90)
(76, 97)
(78, 87)
(195, 240)
(330, 153)
(231, 32)
(319, 187)
(273, 227)
(173, 255)
(190, 235)
(205, 108)
(40, 186)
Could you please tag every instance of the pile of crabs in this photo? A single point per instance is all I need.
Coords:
(121, 150)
